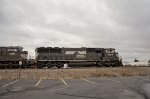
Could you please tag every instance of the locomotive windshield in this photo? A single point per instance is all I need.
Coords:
(110, 52)
(12, 50)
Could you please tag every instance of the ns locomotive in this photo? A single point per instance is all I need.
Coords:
(55, 56)
(13, 57)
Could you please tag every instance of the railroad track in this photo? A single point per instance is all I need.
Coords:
(76, 68)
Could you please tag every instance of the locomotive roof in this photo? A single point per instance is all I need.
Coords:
(76, 47)
(11, 47)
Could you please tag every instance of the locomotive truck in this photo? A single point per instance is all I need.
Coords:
(55, 56)
(13, 57)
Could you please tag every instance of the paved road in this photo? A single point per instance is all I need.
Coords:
(137, 87)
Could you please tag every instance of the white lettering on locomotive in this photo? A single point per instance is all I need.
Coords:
(80, 56)
(75, 52)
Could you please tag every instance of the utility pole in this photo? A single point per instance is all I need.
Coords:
(149, 62)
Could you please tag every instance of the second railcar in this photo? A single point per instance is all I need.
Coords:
(49, 57)
(12, 57)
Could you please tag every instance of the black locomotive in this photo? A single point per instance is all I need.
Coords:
(13, 57)
(50, 57)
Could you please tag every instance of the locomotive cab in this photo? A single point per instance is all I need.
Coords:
(110, 57)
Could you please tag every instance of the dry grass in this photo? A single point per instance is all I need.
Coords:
(73, 73)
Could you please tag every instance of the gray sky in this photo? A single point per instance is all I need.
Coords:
(120, 24)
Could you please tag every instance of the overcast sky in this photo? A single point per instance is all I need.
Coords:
(120, 24)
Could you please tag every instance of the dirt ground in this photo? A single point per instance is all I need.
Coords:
(12, 74)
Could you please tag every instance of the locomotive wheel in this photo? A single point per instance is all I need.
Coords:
(59, 65)
(99, 65)
(49, 65)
